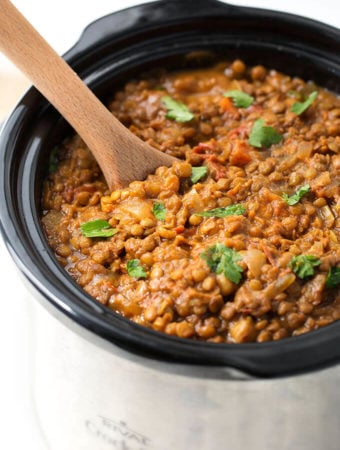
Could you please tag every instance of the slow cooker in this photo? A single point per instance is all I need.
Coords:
(101, 381)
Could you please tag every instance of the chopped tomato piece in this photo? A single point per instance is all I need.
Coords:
(240, 155)
(206, 147)
(240, 132)
(226, 105)
(216, 169)
(179, 229)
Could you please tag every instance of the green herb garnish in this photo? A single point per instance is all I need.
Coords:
(303, 265)
(300, 107)
(222, 259)
(159, 211)
(295, 198)
(231, 210)
(177, 110)
(135, 270)
(262, 135)
(53, 160)
(240, 99)
(97, 228)
(292, 93)
(197, 173)
(333, 277)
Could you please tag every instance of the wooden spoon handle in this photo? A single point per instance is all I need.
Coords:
(55, 79)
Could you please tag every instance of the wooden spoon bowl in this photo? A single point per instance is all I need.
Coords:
(121, 155)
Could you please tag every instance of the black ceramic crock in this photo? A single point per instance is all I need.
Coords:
(110, 51)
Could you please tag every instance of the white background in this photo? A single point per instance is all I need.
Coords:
(61, 23)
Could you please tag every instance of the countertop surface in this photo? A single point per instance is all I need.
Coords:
(19, 429)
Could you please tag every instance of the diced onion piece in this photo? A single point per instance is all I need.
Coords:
(138, 209)
(254, 260)
(280, 285)
(326, 215)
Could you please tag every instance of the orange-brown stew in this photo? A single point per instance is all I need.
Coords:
(239, 240)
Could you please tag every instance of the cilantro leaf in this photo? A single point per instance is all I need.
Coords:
(240, 99)
(177, 110)
(262, 135)
(197, 173)
(333, 277)
(53, 160)
(222, 259)
(135, 270)
(303, 265)
(295, 198)
(159, 211)
(97, 228)
(231, 210)
(300, 107)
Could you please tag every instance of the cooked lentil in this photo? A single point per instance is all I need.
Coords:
(173, 289)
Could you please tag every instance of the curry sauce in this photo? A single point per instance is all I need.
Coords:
(238, 241)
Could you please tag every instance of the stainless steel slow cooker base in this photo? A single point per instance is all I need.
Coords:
(90, 397)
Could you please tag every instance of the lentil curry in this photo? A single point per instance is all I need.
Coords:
(238, 241)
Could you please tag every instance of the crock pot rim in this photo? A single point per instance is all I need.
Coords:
(97, 32)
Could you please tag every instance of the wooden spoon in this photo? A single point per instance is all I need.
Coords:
(121, 155)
